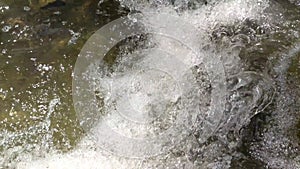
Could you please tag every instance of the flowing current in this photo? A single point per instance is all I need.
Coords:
(186, 84)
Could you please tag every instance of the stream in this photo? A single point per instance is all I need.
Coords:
(150, 84)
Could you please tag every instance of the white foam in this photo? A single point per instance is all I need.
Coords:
(279, 147)
(78, 160)
(87, 156)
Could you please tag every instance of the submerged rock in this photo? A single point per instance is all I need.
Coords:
(54, 4)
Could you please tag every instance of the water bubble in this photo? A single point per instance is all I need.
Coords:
(4, 51)
(74, 38)
(6, 28)
(26, 8)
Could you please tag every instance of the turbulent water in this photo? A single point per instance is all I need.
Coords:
(198, 84)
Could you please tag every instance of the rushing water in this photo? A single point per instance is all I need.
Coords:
(203, 84)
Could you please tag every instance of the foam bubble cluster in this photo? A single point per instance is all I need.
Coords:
(154, 97)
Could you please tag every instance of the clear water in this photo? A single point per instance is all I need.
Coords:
(240, 89)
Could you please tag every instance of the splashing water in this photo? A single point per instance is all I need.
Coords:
(176, 84)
